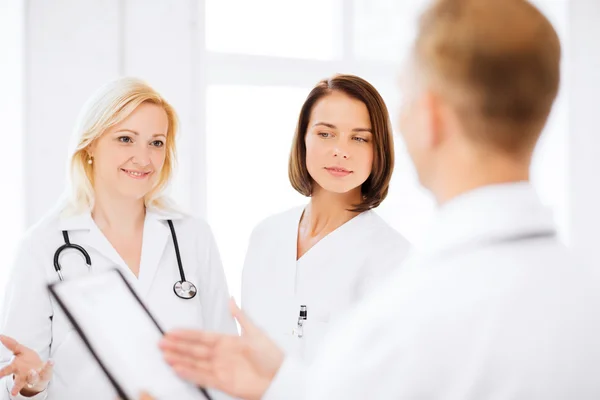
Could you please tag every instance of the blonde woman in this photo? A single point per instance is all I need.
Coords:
(118, 214)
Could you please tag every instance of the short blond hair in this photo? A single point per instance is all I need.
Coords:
(108, 106)
(497, 62)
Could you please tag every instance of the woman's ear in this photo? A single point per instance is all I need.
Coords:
(91, 148)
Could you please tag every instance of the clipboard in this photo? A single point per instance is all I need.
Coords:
(115, 303)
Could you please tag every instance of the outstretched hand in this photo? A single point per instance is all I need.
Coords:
(242, 366)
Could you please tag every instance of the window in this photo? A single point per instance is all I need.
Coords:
(384, 29)
(261, 62)
(275, 28)
(247, 176)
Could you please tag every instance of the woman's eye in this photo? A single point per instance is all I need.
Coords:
(158, 143)
(125, 139)
(324, 134)
(359, 139)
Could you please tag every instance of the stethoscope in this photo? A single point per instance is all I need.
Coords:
(182, 288)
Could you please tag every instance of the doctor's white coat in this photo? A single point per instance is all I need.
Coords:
(36, 321)
(329, 278)
(491, 307)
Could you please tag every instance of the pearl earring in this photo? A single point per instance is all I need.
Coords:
(90, 161)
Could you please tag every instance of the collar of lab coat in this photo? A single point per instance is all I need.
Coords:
(155, 237)
(488, 213)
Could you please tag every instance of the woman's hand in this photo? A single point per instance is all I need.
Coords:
(31, 374)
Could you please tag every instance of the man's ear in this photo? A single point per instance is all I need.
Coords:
(432, 116)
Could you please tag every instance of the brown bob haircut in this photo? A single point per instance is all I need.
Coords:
(376, 187)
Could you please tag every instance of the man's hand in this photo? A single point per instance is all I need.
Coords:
(242, 366)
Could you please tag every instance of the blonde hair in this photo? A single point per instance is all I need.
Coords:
(108, 106)
(497, 61)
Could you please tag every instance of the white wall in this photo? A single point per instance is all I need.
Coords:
(71, 47)
(75, 46)
(11, 125)
(584, 138)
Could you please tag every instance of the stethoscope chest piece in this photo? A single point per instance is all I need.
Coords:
(185, 289)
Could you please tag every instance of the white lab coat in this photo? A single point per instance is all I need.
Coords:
(328, 279)
(36, 321)
(475, 314)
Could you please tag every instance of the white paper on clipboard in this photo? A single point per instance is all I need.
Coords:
(122, 336)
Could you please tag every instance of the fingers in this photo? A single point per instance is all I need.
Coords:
(199, 375)
(11, 344)
(189, 373)
(26, 367)
(190, 367)
(181, 359)
(242, 319)
(46, 372)
(178, 352)
(19, 384)
(198, 371)
(193, 350)
(193, 336)
(143, 396)
(233, 307)
(32, 378)
(8, 370)
(174, 360)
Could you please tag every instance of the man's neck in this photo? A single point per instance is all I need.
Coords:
(463, 177)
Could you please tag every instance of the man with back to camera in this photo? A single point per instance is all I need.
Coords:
(492, 306)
